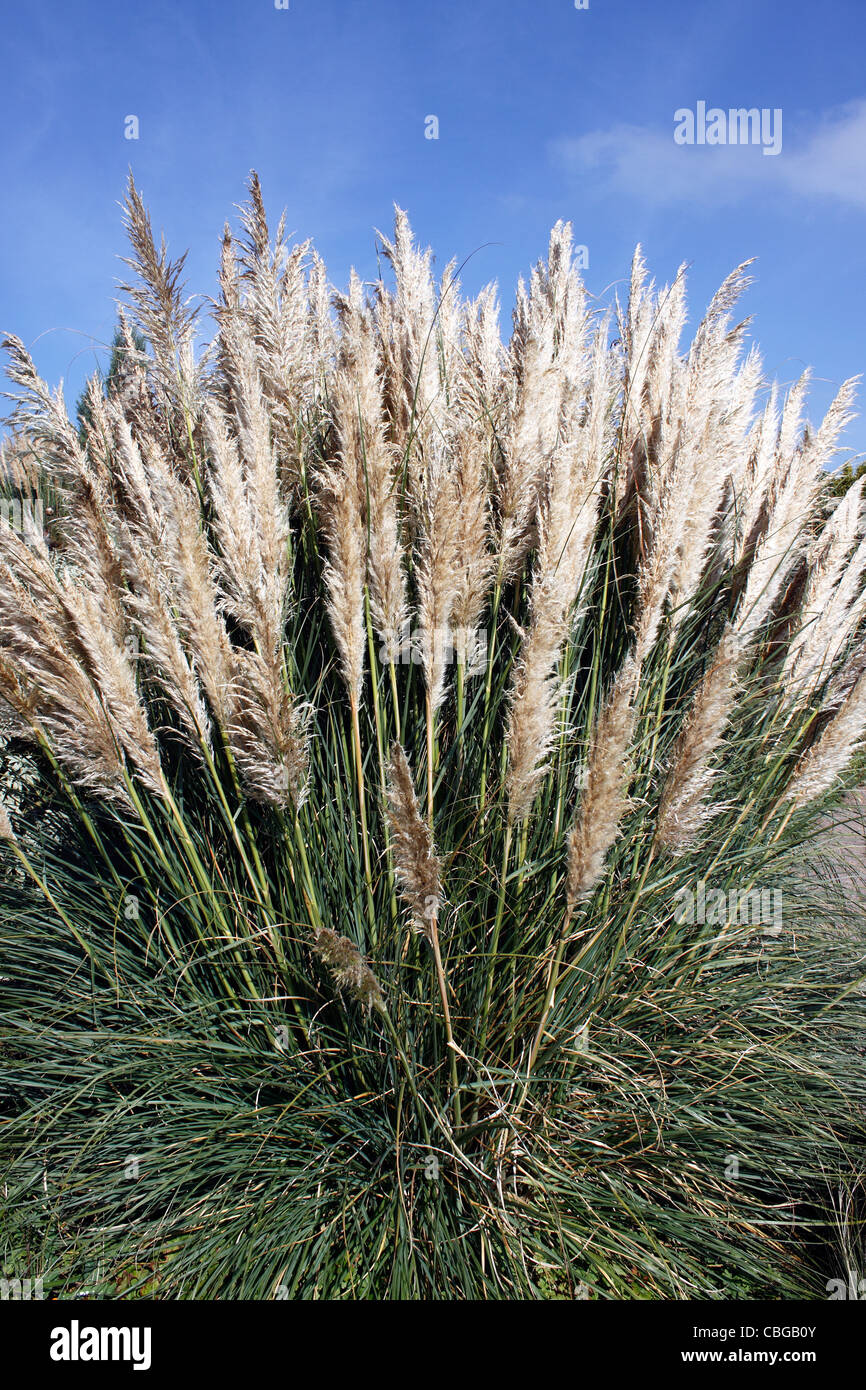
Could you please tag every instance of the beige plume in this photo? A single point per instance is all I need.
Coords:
(417, 865)
(348, 967)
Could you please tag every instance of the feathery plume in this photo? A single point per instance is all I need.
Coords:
(650, 329)
(359, 420)
(275, 313)
(163, 314)
(437, 568)
(163, 516)
(417, 865)
(40, 415)
(19, 461)
(832, 602)
(341, 516)
(44, 682)
(482, 380)
(547, 362)
(682, 808)
(753, 479)
(348, 967)
(824, 762)
(265, 725)
(798, 474)
(407, 328)
(567, 520)
(160, 648)
(472, 549)
(718, 409)
(92, 651)
(342, 521)
(604, 800)
(321, 337)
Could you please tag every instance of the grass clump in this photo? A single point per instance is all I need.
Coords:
(393, 689)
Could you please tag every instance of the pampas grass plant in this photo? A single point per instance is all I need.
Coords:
(391, 685)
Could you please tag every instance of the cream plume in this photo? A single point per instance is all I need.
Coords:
(407, 329)
(823, 763)
(604, 798)
(341, 518)
(798, 473)
(548, 363)
(682, 809)
(437, 568)
(833, 601)
(359, 416)
(567, 522)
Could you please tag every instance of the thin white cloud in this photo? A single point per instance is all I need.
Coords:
(829, 161)
(833, 162)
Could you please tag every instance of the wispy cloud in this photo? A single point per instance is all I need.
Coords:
(826, 160)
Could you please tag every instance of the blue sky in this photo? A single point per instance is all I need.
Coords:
(544, 111)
